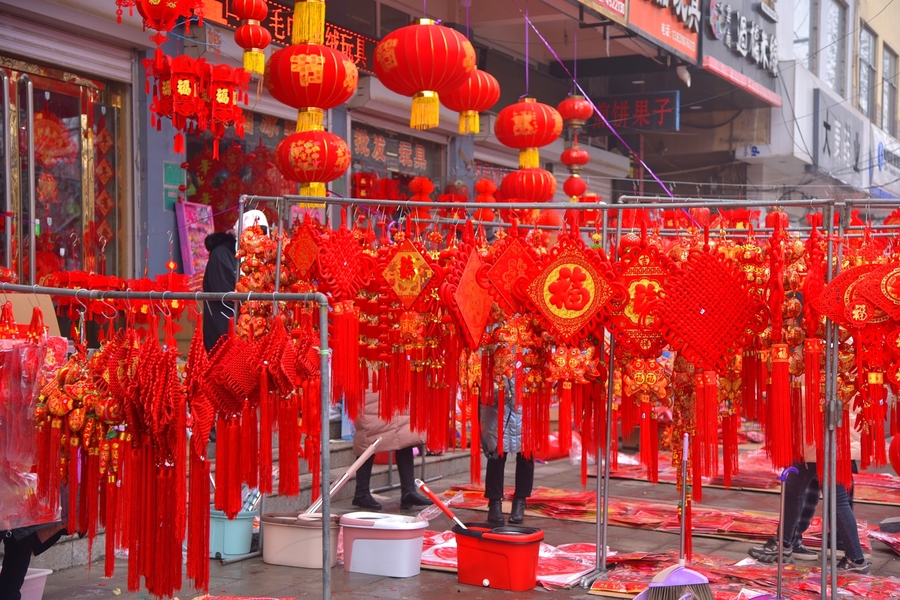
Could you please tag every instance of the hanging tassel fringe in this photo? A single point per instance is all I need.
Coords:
(778, 431)
(309, 22)
(255, 62)
(469, 122)
(426, 111)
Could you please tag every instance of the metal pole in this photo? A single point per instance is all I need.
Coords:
(835, 413)
(829, 390)
(325, 368)
(7, 169)
(32, 221)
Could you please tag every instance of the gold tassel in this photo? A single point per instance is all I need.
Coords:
(469, 122)
(255, 61)
(426, 111)
(529, 158)
(309, 22)
(315, 188)
(309, 119)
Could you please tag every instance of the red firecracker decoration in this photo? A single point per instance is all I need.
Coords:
(313, 158)
(311, 78)
(528, 125)
(424, 60)
(251, 35)
(477, 94)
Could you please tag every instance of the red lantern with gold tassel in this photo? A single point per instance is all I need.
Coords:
(313, 158)
(311, 78)
(575, 157)
(528, 125)
(575, 111)
(477, 94)
(251, 35)
(424, 60)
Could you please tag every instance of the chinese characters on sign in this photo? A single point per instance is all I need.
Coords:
(674, 24)
(744, 36)
(686, 11)
(838, 138)
(280, 22)
(612, 9)
(379, 151)
(658, 111)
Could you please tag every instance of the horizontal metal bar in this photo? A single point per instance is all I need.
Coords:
(738, 203)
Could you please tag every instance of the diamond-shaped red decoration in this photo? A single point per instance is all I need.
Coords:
(513, 263)
(104, 141)
(105, 231)
(569, 292)
(474, 301)
(104, 203)
(407, 273)
(303, 251)
(104, 172)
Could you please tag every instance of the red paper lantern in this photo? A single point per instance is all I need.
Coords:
(477, 94)
(775, 217)
(311, 78)
(700, 215)
(574, 187)
(313, 158)
(227, 87)
(529, 185)
(424, 60)
(251, 35)
(185, 87)
(590, 216)
(162, 16)
(527, 125)
(575, 111)
(575, 158)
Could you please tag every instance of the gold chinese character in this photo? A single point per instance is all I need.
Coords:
(309, 67)
(222, 96)
(184, 87)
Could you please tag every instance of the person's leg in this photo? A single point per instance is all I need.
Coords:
(16, 558)
(853, 560)
(409, 497)
(363, 496)
(493, 488)
(524, 485)
(795, 488)
(807, 512)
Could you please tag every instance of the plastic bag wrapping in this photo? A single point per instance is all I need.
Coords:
(432, 512)
(22, 364)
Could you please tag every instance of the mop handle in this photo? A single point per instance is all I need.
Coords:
(437, 501)
(782, 478)
(350, 472)
(684, 462)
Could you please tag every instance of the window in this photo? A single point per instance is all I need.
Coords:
(889, 91)
(392, 19)
(355, 15)
(834, 44)
(867, 73)
(802, 32)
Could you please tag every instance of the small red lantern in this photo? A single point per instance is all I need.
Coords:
(227, 87)
(311, 78)
(574, 187)
(313, 158)
(575, 111)
(575, 158)
(700, 215)
(590, 216)
(777, 217)
(529, 185)
(527, 125)
(479, 93)
(186, 74)
(485, 189)
(162, 16)
(251, 35)
(424, 60)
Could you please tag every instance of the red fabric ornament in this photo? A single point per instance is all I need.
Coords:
(485, 189)
(511, 259)
(424, 60)
(575, 111)
(227, 87)
(313, 158)
(478, 93)
(162, 17)
(574, 187)
(468, 301)
(528, 125)
(421, 188)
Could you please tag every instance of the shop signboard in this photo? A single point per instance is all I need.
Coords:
(883, 164)
(673, 24)
(839, 139)
(280, 21)
(614, 10)
(740, 45)
(653, 111)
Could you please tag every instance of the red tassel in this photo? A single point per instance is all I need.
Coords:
(221, 444)
(843, 471)
(762, 386)
(688, 524)
(288, 447)
(345, 372)
(797, 428)
(249, 446)
(111, 524)
(649, 442)
(265, 432)
(93, 497)
(813, 352)
(778, 430)
(179, 144)
(730, 425)
(875, 414)
(72, 478)
(706, 456)
(475, 450)
(198, 524)
(565, 416)
(748, 384)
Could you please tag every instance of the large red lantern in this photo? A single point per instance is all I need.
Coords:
(313, 158)
(424, 60)
(477, 94)
(527, 125)
(529, 185)
(575, 111)
(311, 78)
(251, 35)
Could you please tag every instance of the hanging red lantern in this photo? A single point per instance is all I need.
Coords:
(527, 125)
(311, 78)
(700, 215)
(187, 103)
(424, 60)
(529, 185)
(574, 187)
(313, 158)
(251, 35)
(227, 87)
(575, 158)
(162, 16)
(575, 111)
(477, 94)
(777, 216)
(590, 216)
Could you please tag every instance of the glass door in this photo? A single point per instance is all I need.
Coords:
(61, 182)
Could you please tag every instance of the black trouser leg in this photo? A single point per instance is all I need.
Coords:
(16, 558)
(363, 475)
(493, 478)
(524, 476)
(406, 470)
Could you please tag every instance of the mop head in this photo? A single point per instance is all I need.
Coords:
(679, 583)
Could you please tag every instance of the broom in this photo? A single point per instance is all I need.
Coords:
(677, 581)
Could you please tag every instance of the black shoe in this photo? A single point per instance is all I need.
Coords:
(495, 512)
(414, 499)
(367, 502)
(769, 553)
(860, 566)
(517, 513)
(801, 552)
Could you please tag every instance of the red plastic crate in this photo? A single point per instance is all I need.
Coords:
(503, 558)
